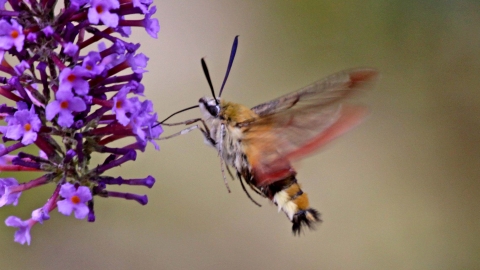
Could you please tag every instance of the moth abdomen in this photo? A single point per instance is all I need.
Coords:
(290, 199)
(308, 217)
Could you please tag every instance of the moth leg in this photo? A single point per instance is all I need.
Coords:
(188, 122)
(206, 134)
(230, 173)
(245, 190)
(181, 132)
(222, 165)
(254, 188)
(205, 130)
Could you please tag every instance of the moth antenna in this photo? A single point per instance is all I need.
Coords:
(183, 110)
(230, 63)
(207, 75)
(245, 190)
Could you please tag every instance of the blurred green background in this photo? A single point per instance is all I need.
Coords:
(399, 192)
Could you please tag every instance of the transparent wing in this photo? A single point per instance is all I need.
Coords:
(299, 123)
(321, 93)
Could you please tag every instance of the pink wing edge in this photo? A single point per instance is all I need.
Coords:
(350, 117)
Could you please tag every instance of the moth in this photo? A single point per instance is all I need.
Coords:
(261, 142)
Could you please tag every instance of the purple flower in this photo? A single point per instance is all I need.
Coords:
(48, 31)
(80, 2)
(125, 31)
(65, 93)
(138, 62)
(74, 78)
(100, 11)
(136, 87)
(22, 235)
(20, 68)
(24, 123)
(142, 4)
(32, 37)
(64, 105)
(151, 24)
(70, 49)
(11, 35)
(40, 215)
(92, 65)
(74, 200)
(142, 118)
(122, 105)
(6, 196)
(154, 132)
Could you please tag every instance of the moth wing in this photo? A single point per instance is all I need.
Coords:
(321, 93)
(302, 122)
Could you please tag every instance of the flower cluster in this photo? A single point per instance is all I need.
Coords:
(69, 100)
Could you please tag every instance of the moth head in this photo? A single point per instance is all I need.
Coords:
(209, 106)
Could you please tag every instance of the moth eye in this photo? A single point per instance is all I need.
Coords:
(213, 110)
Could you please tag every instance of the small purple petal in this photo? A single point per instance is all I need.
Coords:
(142, 4)
(138, 62)
(29, 137)
(124, 31)
(65, 118)
(77, 104)
(67, 190)
(151, 24)
(70, 49)
(84, 194)
(65, 207)
(80, 2)
(81, 87)
(20, 68)
(48, 31)
(32, 37)
(64, 95)
(14, 132)
(22, 235)
(81, 211)
(52, 109)
(40, 215)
